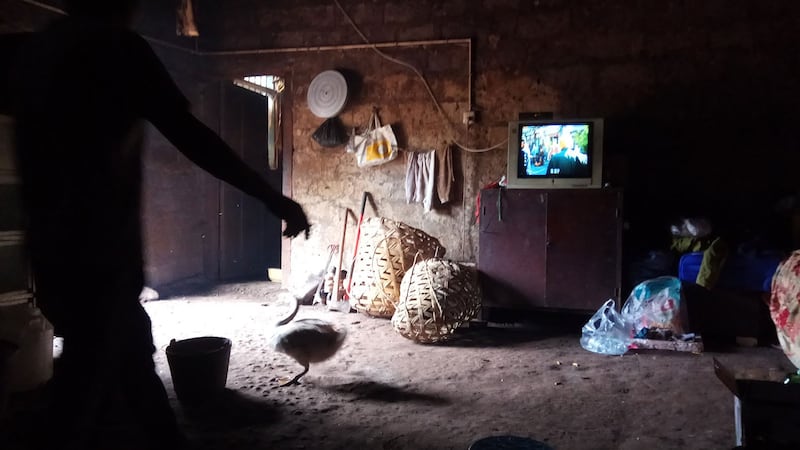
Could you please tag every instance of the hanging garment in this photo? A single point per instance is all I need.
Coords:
(420, 178)
(444, 173)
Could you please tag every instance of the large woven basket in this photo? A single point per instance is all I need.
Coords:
(386, 249)
(436, 297)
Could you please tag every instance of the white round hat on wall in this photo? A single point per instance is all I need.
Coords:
(327, 94)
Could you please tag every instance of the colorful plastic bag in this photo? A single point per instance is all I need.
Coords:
(655, 304)
(377, 145)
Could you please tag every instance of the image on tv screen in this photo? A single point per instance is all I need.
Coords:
(554, 151)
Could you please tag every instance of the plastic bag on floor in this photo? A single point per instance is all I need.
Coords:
(607, 332)
(305, 286)
(655, 305)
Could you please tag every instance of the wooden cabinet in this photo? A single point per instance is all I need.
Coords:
(550, 249)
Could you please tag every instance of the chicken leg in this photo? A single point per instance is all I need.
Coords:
(296, 379)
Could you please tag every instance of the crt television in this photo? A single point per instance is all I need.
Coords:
(555, 153)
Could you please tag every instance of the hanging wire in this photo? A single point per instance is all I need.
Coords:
(424, 82)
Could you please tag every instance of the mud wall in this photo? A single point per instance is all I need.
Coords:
(697, 98)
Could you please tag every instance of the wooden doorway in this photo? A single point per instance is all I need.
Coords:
(250, 236)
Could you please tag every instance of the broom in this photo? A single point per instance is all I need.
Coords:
(355, 248)
(338, 277)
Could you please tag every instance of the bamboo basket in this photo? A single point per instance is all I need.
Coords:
(386, 250)
(436, 297)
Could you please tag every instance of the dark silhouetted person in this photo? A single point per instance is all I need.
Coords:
(562, 164)
(80, 92)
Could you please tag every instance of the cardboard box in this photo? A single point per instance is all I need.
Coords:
(693, 346)
(766, 411)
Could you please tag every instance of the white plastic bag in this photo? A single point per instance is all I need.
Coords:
(305, 285)
(377, 145)
(607, 332)
(341, 305)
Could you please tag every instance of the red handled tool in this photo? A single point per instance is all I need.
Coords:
(358, 237)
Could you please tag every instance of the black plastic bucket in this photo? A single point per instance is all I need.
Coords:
(199, 367)
(508, 443)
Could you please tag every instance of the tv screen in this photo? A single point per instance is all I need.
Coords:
(555, 153)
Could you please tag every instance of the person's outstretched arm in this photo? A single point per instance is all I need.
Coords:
(160, 101)
(10, 45)
(206, 149)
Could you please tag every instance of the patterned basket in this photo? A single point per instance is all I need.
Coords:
(437, 296)
(386, 250)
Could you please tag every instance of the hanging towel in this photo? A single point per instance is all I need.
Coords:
(444, 173)
(420, 178)
(411, 177)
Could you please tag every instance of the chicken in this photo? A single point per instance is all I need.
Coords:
(306, 340)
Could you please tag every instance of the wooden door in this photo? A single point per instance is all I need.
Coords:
(583, 257)
(512, 248)
(250, 237)
(15, 279)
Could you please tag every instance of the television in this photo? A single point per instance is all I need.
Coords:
(555, 153)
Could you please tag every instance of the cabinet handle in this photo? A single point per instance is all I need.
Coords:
(500, 205)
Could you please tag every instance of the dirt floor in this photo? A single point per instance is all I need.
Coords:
(383, 391)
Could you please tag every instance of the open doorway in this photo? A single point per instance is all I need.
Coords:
(250, 237)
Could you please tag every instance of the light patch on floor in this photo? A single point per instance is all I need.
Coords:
(384, 391)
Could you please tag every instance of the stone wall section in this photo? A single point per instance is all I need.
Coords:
(699, 100)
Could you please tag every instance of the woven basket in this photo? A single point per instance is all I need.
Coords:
(437, 296)
(386, 250)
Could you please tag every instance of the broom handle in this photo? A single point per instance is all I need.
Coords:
(358, 238)
(338, 276)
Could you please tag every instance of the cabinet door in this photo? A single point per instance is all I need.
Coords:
(583, 248)
(512, 248)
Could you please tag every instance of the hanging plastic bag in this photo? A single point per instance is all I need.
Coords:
(331, 133)
(350, 146)
(607, 332)
(377, 145)
(655, 305)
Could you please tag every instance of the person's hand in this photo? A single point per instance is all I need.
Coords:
(296, 220)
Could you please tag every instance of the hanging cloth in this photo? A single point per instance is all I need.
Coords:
(420, 178)
(444, 173)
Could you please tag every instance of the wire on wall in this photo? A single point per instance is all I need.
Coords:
(424, 82)
(374, 47)
(44, 6)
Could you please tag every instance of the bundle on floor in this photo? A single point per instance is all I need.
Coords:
(387, 249)
(436, 297)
